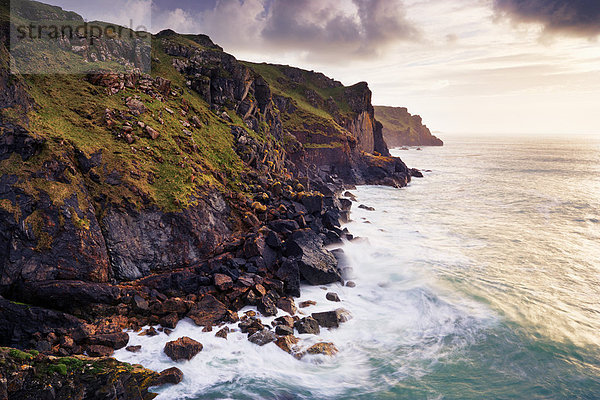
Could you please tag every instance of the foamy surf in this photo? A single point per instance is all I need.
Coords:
(403, 321)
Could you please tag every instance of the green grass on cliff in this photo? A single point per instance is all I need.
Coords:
(172, 171)
(307, 119)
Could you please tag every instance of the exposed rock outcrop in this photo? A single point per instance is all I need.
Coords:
(400, 128)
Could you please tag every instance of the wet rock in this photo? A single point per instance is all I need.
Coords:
(134, 349)
(223, 282)
(171, 376)
(362, 206)
(287, 343)
(332, 296)
(350, 196)
(284, 226)
(307, 303)
(116, 340)
(169, 321)
(222, 333)
(140, 303)
(415, 173)
(351, 284)
(327, 349)
(266, 305)
(262, 337)
(331, 319)
(313, 203)
(184, 348)
(285, 320)
(283, 330)
(289, 273)
(149, 332)
(273, 240)
(97, 350)
(317, 265)
(208, 311)
(251, 326)
(307, 325)
(287, 304)
(175, 305)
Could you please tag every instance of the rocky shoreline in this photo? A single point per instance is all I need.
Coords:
(263, 268)
(130, 201)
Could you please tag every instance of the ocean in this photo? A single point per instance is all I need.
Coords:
(479, 281)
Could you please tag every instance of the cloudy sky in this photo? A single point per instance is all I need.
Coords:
(467, 66)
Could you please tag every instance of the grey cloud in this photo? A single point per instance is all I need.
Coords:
(576, 17)
(357, 29)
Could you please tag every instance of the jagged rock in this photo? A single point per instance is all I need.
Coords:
(327, 349)
(97, 350)
(368, 208)
(262, 337)
(251, 326)
(283, 330)
(153, 133)
(46, 378)
(287, 343)
(307, 325)
(317, 265)
(284, 225)
(184, 348)
(307, 303)
(208, 311)
(116, 340)
(134, 349)
(332, 296)
(222, 333)
(331, 319)
(169, 320)
(19, 324)
(140, 303)
(266, 306)
(149, 332)
(174, 305)
(313, 203)
(223, 282)
(136, 106)
(171, 376)
(287, 304)
(289, 273)
(284, 320)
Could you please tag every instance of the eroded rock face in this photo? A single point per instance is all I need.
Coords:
(184, 348)
(141, 242)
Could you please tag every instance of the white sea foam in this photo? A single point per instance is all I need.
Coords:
(399, 311)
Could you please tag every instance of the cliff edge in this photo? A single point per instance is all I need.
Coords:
(400, 128)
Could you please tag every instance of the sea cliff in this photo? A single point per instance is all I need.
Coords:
(400, 128)
(132, 199)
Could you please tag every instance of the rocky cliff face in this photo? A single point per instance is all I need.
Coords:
(129, 199)
(400, 128)
(334, 125)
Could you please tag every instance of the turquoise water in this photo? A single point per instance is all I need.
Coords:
(480, 281)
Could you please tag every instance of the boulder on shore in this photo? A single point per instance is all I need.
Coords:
(208, 311)
(184, 348)
(331, 319)
(317, 265)
(171, 376)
